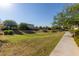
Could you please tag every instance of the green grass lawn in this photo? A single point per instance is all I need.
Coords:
(39, 44)
(17, 38)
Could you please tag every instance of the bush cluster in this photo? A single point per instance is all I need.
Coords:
(8, 32)
(76, 32)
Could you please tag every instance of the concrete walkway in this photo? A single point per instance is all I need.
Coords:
(66, 47)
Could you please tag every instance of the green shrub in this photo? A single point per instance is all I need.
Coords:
(8, 32)
(76, 32)
(5, 32)
(72, 31)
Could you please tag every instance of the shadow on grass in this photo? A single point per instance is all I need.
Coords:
(28, 31)
(18, 32)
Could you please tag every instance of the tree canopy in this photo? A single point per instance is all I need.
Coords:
(25, 26)
(68, 18)
(10, 24)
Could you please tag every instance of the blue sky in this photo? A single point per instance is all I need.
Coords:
(37, 14)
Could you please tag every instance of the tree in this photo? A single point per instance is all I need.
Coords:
(25, 26)
(40, 27)
(60, 20)
(68, 18)
(10, 24)
(36, 28)
(73, 11)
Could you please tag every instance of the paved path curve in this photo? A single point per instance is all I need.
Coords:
(66, 47)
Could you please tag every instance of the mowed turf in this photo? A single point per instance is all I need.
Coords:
(39, 44)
